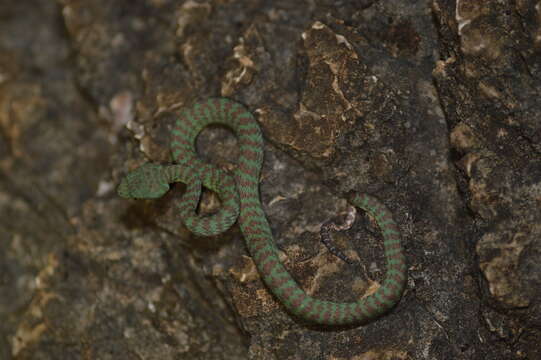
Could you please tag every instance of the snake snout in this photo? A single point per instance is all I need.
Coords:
(124, 189)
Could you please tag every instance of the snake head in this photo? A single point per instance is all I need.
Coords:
(146, 182)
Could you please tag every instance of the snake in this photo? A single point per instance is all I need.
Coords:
(240, 202)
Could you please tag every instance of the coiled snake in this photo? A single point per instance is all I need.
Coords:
(240, 194)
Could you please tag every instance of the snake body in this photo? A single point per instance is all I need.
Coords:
(239, 195)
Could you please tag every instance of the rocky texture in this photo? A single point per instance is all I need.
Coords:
(432, 105)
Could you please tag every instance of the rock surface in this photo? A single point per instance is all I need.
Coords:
(432, 106)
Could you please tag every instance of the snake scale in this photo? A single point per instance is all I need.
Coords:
(239, 196)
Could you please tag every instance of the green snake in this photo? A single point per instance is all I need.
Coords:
(239, 196)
